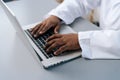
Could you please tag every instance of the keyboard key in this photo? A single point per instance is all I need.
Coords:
(41, 41)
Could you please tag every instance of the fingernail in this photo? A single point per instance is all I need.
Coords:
(40, 32)
(55, 53)
(35, 35)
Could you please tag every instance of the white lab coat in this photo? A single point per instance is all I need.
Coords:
(103, 44)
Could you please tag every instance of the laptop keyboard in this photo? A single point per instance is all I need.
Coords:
(41, 41)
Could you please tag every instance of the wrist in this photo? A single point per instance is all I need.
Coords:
(56, 19)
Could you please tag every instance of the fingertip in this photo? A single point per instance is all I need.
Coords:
(55, 53)
(35, 35)
(47, 50)
(40, 32)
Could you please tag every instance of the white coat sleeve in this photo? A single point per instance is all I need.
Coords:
(104, 44)
(69, 10)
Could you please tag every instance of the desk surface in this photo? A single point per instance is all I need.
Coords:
(16, 62)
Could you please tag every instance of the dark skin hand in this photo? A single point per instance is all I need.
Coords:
(64, 42)
(50, 22)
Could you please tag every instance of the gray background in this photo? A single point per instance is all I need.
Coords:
(16, 62)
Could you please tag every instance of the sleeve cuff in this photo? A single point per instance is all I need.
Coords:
(84, 41)
(60, 15)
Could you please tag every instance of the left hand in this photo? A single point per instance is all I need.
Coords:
(63, 42)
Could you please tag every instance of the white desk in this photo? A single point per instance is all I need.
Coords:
(16, 62)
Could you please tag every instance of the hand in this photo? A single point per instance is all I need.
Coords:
(48, 23)
(63, 42)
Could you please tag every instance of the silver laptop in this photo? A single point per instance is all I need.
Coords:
(35, 46)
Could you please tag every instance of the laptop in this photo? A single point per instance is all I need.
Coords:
(35, 46)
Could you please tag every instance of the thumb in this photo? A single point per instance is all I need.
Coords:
(56, 30)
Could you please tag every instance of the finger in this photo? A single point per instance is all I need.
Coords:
(60, 50)
(32, 28)
(38, 32)
(56, 29)
(45, 28)
(53, 37)
(35, 29)
(54, 46)
(49, 43)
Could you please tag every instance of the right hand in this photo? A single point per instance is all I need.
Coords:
(45, 25)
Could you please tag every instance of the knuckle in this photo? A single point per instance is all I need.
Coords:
(63, 41)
